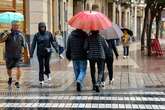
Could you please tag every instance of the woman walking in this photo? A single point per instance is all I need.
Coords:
(95, 45)
(109, 59)
(44, 40)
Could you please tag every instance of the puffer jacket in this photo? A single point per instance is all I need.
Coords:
(75, 43)
(96, 47)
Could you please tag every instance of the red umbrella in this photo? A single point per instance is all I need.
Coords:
(90, 20)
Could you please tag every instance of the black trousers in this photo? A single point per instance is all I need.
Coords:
(109, 62)
(100, 66)
(44, 67)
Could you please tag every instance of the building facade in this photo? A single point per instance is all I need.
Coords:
(56, 13)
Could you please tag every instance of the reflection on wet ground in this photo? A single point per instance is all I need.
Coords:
(139, 84)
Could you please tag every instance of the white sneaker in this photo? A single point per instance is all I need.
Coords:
(103, 84)
(124, 57)
(49, 78)
(41, 82)
(111, 81)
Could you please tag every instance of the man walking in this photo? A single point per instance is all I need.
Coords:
(75, 52)
(13, 51)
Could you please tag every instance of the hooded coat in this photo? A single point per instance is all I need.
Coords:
(44, 40)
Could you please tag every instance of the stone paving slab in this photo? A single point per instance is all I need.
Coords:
(137, 85)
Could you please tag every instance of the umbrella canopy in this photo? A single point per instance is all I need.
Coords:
(113, 32)
(128, 31)
(90, 20)
(8, 17)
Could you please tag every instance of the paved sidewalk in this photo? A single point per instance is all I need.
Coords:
(139, 84)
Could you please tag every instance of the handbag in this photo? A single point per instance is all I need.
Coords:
(48, 50)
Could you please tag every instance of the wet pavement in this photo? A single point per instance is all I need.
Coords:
(139, 84)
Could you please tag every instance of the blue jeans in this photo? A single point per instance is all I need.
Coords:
(80, 67)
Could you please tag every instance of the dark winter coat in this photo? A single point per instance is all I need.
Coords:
(44, 43)
(96, 47)
(112, 48)
(75, 43)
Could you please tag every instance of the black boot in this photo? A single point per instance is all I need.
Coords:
(94, 88)
(98, 85)
(78, 87)
(97, 88)
(17, 85)
(10, 81)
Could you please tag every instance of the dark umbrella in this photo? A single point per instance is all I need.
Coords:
(128, 31)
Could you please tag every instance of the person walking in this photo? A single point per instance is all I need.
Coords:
(77, 54)
(60, 41)
(109, 59)
(95, 45)
(13, 51)
(125, 41)
(44, 40)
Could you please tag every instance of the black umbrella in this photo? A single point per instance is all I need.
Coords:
(128, 31)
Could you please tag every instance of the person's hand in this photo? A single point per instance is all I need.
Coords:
(61, 56)
(7, 31)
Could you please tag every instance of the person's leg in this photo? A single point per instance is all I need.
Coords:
(76, 68)
(103, 78)
(41, 68)
(82, 73)
(9, 72)
(123, 51)
(9, 63)
(92, 69)
(18, 74)
(101, 66)
(110, 68)
(46, 64)
(127, 50)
